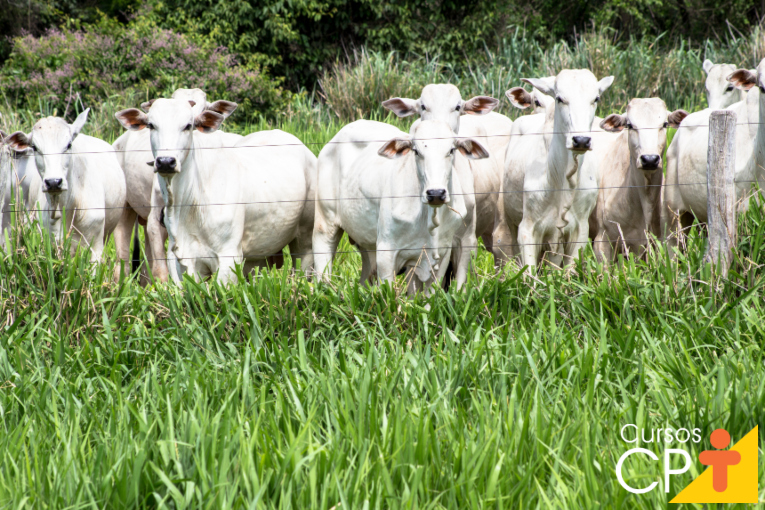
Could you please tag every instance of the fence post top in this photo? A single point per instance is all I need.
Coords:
(723, 113)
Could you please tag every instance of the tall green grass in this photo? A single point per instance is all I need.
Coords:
(642, 68)
(277, 392)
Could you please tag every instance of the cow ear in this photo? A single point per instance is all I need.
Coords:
(146, 106)
(18, 141)
(614, 123)
(707, 66)
(396, 148)
(604, 83)
(479, 105)
(520, 98)
(743, 79)
(79, 123)
(471, 149)
(207, 121)
(675, 118)
(401, 106)
(225, 108)
(132, 119)
(543, 85)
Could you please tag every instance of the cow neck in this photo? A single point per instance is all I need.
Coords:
(648, 188)
(563, 166)
(186, 190)
(67, 200)
(758, 158)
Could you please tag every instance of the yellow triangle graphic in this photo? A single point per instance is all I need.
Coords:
(742, 478)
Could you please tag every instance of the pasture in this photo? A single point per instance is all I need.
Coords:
(278, 392)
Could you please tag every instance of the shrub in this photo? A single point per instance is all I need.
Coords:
(89, 65)
(642, 68)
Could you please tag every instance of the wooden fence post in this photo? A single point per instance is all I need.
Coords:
(721, 190)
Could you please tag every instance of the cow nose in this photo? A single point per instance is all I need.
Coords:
(582, 142)
(165, 164)
(53, 184)
(436, 196)
(650, 161)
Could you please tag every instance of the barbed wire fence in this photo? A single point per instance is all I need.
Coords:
(716, 137)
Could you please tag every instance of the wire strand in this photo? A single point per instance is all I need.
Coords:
(25, 154)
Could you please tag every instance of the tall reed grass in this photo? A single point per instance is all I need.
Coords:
(643, 68)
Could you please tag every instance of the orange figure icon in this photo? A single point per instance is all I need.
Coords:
(719, 460)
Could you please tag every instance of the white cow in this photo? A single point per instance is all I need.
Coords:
(143, 193)
(472, 118)
(223, 206)
(82, 180)
(631, 175)
(720, 92)
(561, 186)
(400, 200)
(684, 194)
(19, 179)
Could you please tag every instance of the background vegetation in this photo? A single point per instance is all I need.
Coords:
(264, 54)
(281, 393)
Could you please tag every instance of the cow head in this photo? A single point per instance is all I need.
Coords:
(51, 141)
(720, 92)
(576, 94)
(522, 99)
(432, 144)
(171, 123)
(647, 121)
(441, 102)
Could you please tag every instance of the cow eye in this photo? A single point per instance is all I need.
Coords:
(729, 88)
(597, 99)
(187, 128)
(423, 108)
(629, 126)
(457, 108)
(68, 146)
(560, 99)
(451, 151)
(416, 152)
(537, 103)
(32, 147)
(150, 125)
(666, 125)
(762, 89)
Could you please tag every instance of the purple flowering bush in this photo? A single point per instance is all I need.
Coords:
(88, 65)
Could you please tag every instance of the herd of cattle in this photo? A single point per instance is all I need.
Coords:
(541, 187)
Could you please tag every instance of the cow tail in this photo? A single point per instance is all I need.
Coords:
(136, 249)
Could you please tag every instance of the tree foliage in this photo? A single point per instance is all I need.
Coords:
(298, 38)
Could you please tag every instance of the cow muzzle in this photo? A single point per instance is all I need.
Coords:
(54, 185)
(165, 165)
(436, 197)
(649, 162)
(581, 143)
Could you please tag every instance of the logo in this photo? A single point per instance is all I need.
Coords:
(731, 476)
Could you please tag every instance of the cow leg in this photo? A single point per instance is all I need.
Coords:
(122, 236)
(366, 267)
(326, 237)
(504, 237)
(301, 248)
(386, 263)
(529, 242)
(461, 258)
(146, 275)
(156, 235)
(602, 247)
